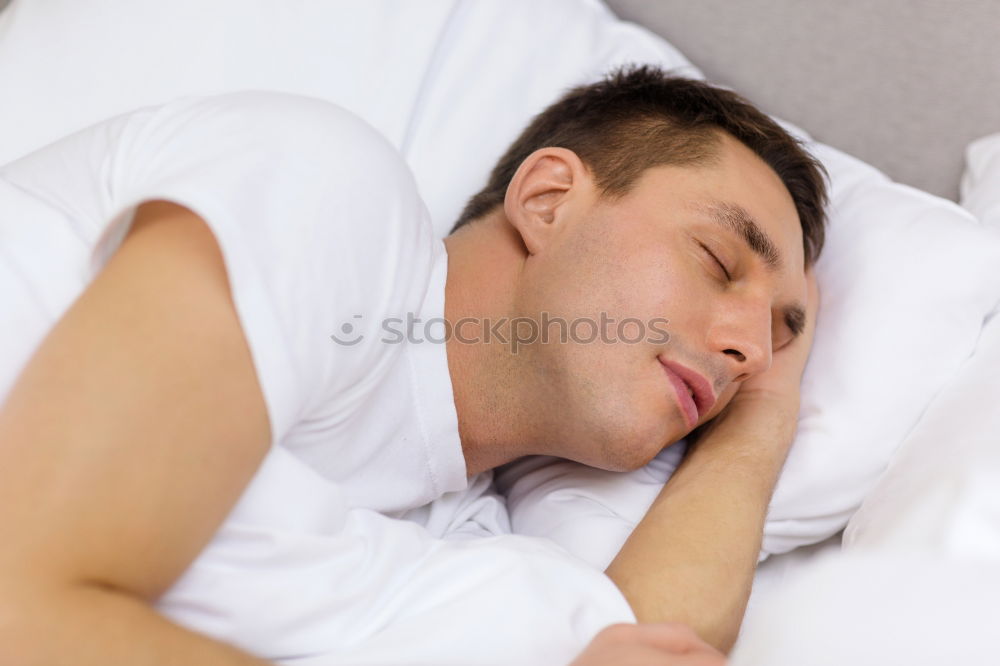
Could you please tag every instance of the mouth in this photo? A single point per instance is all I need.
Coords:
(694, 393)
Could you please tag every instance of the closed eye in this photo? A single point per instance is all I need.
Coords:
(729, 278)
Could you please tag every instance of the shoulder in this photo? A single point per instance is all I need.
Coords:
(276, 121)
(294, 162)
(315, 199)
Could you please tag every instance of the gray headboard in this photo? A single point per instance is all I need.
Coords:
(902, 84)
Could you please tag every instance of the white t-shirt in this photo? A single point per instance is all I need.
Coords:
(321, 227)
(323, 234)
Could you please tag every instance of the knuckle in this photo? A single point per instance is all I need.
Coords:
(617, 633)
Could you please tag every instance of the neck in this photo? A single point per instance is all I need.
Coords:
(485, 259)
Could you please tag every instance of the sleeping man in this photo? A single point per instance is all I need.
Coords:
(236, 356)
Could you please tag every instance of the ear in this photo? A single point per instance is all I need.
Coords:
(542, 192)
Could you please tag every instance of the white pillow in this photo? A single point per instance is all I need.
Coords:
(941, 493)
(66, 64)
(981, 181)
(907, 278)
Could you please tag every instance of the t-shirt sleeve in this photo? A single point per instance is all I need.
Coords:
(317, 218)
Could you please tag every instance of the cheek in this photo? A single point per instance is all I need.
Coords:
(621, 270)
(650, 283)
(569, 280)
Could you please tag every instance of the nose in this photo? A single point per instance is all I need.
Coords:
(742, 335)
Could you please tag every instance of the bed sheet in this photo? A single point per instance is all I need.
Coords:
(774, 573)
(873, 609)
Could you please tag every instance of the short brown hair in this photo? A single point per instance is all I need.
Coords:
(641, 117)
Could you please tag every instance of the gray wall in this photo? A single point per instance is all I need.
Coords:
(902, 84)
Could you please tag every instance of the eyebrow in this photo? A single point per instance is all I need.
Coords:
(738, 220)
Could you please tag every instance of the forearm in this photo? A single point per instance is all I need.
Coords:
(88, 625)
(693, 556)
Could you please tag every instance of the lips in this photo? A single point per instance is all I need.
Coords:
(694, 392)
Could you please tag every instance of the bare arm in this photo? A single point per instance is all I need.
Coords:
(125, 442)
(692, 558)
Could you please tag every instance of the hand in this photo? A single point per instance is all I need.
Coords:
(662, 644)
(783, 379)
(769, 402)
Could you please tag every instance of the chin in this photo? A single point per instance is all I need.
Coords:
(629, 453)
(620, 432)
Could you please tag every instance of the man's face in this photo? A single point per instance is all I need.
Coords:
(716, 251)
